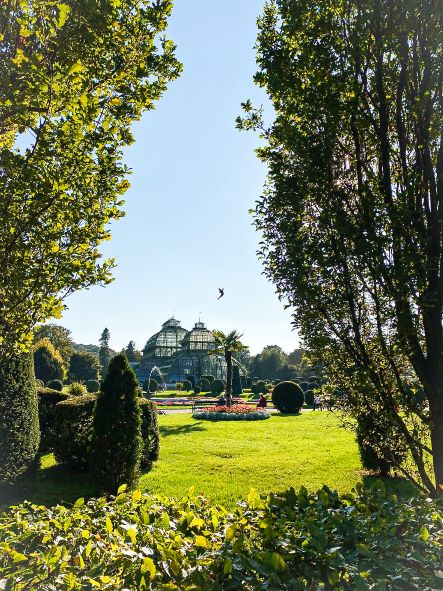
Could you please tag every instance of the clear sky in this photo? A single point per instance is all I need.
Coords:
(187, 230)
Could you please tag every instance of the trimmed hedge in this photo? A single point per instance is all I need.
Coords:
(205, 385)
(197, 390)
(47, 400)
(237, 389)
(309, 397)
(288, 397)
(259, 387)
(55, 385)
(187, 385)
(217, 386)
(19, 428)
(150, 434)
(73, 430)
(291, 541)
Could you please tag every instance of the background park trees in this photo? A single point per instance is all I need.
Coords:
(351, 214)
(73, 78)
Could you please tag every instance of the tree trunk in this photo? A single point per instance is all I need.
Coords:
(228, 357)
(436, 412)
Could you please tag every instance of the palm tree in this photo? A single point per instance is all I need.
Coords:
(227, 344)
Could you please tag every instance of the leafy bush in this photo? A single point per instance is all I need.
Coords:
(47, 399)
(192, 380)
(288, 397)
(55, 385)
(77, 389)
(179, 386)
(280, 542)
(374, 458)
(150, 385)
(83, 365)
(187, 385)
(217, 386)
(116, 444)
(205, 385)
(19, 430)
(73, 430)
(150, 434)
(309, 397)
(197, 390)
(259, 388)
(92, 386)
(208, 377)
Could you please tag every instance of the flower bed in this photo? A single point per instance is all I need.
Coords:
(231, 413)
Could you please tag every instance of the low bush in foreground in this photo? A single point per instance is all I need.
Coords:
(231, 413)
(291, 541)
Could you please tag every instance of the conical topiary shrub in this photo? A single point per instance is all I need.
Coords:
(116, 444)
(19, 427)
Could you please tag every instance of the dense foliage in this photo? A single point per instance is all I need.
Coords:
(59, 336)
(150, 385)
(77, 389)
(205, 385)
(150, 434)
(237, 389)
(55, 385)
(73, 78)
(187, 385)
(92, 386)
(217, 386)
(73, 430)
(290, 541)
(288, 397)
(116, 444)
(19, 428)
(351, 214)
(48, 363)
(47, 399)
(83, 366)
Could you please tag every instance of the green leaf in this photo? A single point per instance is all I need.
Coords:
(122, 489)
(148, 567)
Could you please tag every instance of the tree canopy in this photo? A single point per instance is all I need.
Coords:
(351, 213)
(73, 77)
(59, 336)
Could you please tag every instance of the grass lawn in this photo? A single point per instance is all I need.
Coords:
(224, 460)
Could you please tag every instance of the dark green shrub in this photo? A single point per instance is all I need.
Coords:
(209, 378)
(205, 385)
(92, 386)
(73, 430)
(192, 380)
(249, 383)
(236, 382)
(309, 397)
(374, 457)
(259, 388)
(19, 429)
(150, 385)
(47, 399)
(217, 386)
(150, 434)
(116, 444)
(55, 385)
(83, 366)
(48, 363)
(187, 385)
(288, 397)
(197, 390)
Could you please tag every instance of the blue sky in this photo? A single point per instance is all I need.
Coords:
(187, 230)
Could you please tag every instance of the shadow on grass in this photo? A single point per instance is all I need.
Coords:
(181, 429)
(49, 486)
(393, 485)
(283, 415)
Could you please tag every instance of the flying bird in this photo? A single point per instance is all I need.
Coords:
(222, 292)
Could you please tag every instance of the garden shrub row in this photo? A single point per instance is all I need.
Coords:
(47, 400)
(294, 541)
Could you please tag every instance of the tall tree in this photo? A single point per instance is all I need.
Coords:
(48, 363)
(59, 336)
(226, 345)
(104, 353)
(351, 214)
(73, 77)
(132, 353)
(83, 366)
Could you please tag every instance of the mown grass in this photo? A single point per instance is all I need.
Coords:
(225, 460)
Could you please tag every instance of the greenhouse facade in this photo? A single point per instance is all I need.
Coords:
(175, 354)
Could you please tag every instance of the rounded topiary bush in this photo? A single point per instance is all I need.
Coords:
(73, 430)
(288, 397)
(150, 385)
(205, 385)
(150, 434)
(92, 386)
(217, 386)
(209, 378)
(47, 400)
(19, 429)
(259, 387)
(197, 390)
(55, 385)
(187, 385)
